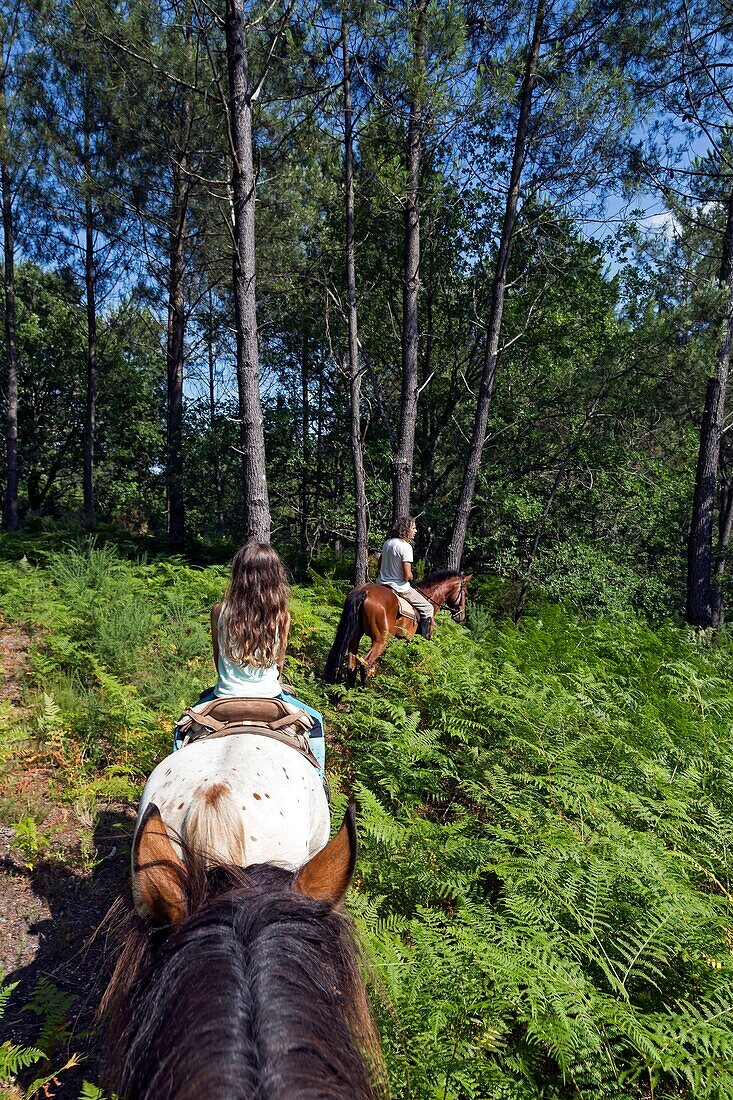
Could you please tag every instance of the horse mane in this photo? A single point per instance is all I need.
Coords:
(258, 993)
(439, 575)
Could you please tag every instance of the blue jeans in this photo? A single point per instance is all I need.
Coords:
(315, 735)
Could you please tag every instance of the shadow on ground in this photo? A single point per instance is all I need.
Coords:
(55, 913)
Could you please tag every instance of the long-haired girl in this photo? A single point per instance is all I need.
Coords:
(249, 634)
(249, 628)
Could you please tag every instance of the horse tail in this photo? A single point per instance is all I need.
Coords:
(214, 826)
(348, 626)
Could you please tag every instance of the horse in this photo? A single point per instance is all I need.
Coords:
(241, 799)
(233, 981)
(374, 609)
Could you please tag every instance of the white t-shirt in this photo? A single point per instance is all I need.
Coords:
(394, 553)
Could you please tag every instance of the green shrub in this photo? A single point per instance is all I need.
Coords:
(545, 816)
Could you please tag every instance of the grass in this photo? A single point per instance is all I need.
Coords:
(545, 813)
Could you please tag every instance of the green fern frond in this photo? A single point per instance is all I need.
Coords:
(14, 1058)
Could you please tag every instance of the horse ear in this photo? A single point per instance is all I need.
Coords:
(326, 877)
(467, 577)
(158, 874)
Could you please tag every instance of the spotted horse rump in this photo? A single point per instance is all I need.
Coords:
(242, 800)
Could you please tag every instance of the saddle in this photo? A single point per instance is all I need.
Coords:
(273, 718)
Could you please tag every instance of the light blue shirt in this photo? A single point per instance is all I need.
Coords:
(244, 681)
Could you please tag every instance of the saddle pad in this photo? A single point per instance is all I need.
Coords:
(407, 611)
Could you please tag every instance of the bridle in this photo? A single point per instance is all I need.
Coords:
(458, 611)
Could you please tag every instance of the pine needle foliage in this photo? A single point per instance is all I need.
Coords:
(545, 814)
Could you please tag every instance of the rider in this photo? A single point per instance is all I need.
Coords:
(395, 570)
(249, 635)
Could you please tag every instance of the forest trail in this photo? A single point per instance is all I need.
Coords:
(14, 645)
(20, 910)
(58, 880)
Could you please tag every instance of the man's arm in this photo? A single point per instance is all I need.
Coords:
(407, 571)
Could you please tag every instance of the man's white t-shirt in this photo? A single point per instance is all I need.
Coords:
(394, 553)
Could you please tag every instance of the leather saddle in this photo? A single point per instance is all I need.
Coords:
(225, 716)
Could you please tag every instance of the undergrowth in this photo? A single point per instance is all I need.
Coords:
(545, 817)
(50, 1006)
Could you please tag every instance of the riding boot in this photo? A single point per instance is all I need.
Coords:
(425, 626)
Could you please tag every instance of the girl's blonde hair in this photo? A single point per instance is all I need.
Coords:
(254, 613)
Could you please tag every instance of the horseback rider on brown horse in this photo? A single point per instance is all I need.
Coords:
(378, 610)
(395, 570)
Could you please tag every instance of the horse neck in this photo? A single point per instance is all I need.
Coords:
(437, 591)
(241, 1004)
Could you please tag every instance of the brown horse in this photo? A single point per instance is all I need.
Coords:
(241, 982)
(374, 609)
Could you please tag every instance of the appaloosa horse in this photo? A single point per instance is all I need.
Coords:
(241, 799)
(374, 609)
(239, 983)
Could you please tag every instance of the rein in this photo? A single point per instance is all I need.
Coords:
(440, 604)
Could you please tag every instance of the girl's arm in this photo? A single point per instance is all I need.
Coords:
(283, 645)
(215, 634)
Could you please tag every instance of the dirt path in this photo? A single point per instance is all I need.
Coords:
(14, 645)
(61, 867)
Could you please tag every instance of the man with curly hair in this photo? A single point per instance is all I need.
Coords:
(395, 570)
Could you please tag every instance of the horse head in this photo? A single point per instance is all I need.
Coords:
(240, 982)
(455, 600)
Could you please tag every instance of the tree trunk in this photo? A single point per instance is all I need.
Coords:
(305, 464)
(426, 449)
(212, 424)
(175, 357)
(498, 294)
(355, 373)
(725, 527)
(175, 349)
(699, 609)
(252, 439)
(90, 282)
(404, 456)
(11, 429)
(318, 487)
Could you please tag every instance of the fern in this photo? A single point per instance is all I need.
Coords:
(51, 1006)
(545, 819)
(91, 1092)
(13, 1057)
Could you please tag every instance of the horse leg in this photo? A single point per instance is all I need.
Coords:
(375, 625)
(353, 661)
(379, 644)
